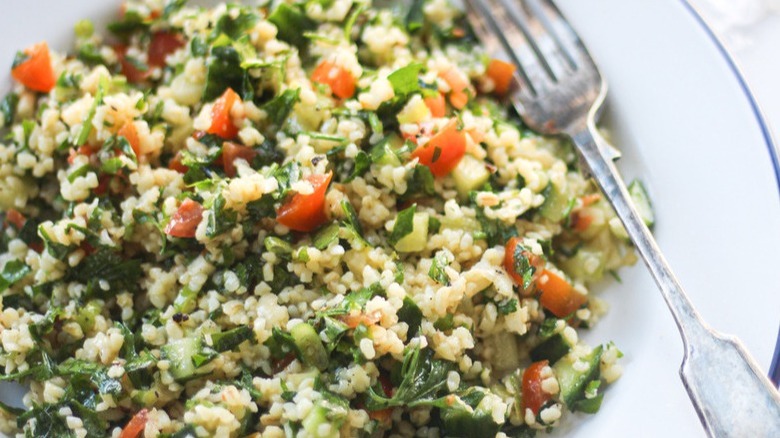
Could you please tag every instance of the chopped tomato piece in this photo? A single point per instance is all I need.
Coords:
(558, 296)
(186, 219)
(533, 395)
(436, 105)
(510, 255)
(136, 425)
(163, 44)
(501, 72)
(306, 212)
(383, 415)
(580, 220)
(353, 320)
(459, 86)
(231, 151)
(443, 151)
(221, 123)
(130, 70)
(13, 217)
(36, 72)
(130, 133)
(103, 183)
(387, 386)
(177, 165)
(341, 82)
(590, 199)
(82, 150)
(283, 362)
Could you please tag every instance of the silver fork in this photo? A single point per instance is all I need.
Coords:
(560, 92)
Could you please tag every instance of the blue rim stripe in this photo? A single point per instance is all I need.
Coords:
(774, 369)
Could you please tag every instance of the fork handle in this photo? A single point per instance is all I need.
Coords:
(732, 397)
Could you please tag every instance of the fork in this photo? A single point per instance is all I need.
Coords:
(559, 91)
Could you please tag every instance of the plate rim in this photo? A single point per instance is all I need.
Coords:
(769, 140)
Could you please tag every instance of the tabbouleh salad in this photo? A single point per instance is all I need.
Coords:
(307, 218)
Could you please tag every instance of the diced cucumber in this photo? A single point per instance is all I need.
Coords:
(465, 424)
(552, 349)
(415, 111)
(86, 315)
(179, 354)
(470, 174)
(556, 204)
(586, 265)
(642, 202)
(574, 381)
(230, 339)
(617, 228)
(383, 153)
(309, 344)
(144, 397)
(418, 238)
(186, 301)
(317, 417)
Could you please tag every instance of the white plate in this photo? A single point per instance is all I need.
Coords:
(686, 125)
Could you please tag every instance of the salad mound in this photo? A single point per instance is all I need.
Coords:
(306, 218)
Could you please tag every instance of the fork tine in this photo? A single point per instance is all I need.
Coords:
(564, 34)
(493, 46)
(515, 43)
(545, 44)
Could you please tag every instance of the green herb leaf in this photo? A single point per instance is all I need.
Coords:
(406, 80)
(224, 71)
(228, 340)
(421, 184)
(8, 108)
(221, 218)
(437, 272)
(292, 22)
(120, 274)
(362, 164)
(280, 107)
(86, 125)
(404, 224)
(507, 306)
(423, 380)
(13, 271)
(522, 265)
(411, 314)
(352, 223)
(326, 236)
(236, 27)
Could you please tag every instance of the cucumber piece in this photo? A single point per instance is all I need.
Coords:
(309, 344)
(144, 397)
(642, 202)
(383, 153)
(572, 381)
(186, 301)
(470, 174)
(617, 229)
(85, 317)
(230, 339)
(418, 238)
(586, 265)
(317, 417)
(465, 424)
(556, 204)
(415, 111)
(552, 349)
(180, 353)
